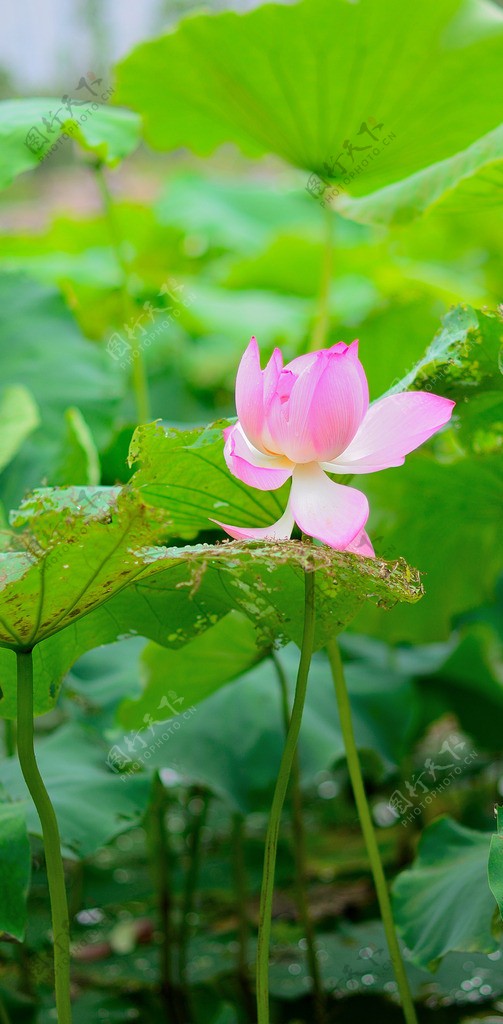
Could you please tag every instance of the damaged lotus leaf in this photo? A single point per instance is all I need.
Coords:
(464, 358)
(82, 571)
(68, 552)
(265, 581)
(184, 473)
(74, 576)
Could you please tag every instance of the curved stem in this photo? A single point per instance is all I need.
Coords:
(271, 842)
(320, 330)
(139, 375)
(50, 831)
(369, 835)
(299, 845)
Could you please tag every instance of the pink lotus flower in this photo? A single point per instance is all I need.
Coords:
(310, 418)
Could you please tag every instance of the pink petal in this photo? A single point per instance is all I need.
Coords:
(265, 472)
(362, 545)
(277, 531)
(250, 393)
(392, 428)
(330, 512)
(300, 363)
(271, 375)
(326, 406)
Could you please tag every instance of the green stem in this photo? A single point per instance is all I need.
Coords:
(369, 835)
(191, 879)
(4, 1016)
(50, 831)
(139, 374)
(271, 842)
(161, 862)
(241, 896)
(300, 857)
(239, 873)
(9, 737)
(320, 329)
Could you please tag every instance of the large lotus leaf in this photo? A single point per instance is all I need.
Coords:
(69, 551)
(75, 549)
(185, 474)
(80, 571)
(265, 581)
(15, 868)
(473, 177)
(443, 903)
(303, 80)
(110, 134)
(166, 612)
(198, 584)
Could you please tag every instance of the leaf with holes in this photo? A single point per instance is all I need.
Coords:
(265, 581)
(75, 575)
(81, 570)
(70, 549)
